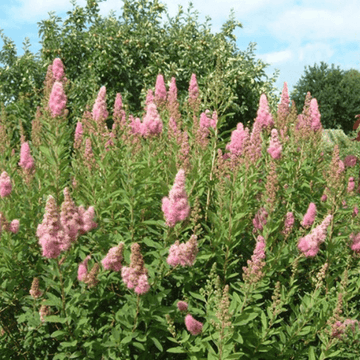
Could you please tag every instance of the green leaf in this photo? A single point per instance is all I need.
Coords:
(68, 343)
(157, 343)
(176, 350)
(197, 296)
(55, 319)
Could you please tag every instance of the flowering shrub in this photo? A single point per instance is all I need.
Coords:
(119, 243)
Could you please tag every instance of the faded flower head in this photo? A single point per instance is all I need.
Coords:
(5, 184)
(114, 257)
(35, 291)
(182, 305)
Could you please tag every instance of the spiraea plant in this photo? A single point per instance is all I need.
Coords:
(156, 237)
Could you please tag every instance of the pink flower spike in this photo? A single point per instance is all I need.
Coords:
(58, 69)
(142, 286)
(172, 96)
(238, 140)
(26, 161)
(351, 184)
(309, 217)
(315, 115)
(14, 226)
(57, 100)
(283, 108)
(176, 207)
(264, 117)
(113, 259)
(152, 124)
(275, 147)
(5, 184)
(193, 326)
(82, 269)
(99, 111)
(182, 305)
(149, 98)
(160, 90)
(193, 88)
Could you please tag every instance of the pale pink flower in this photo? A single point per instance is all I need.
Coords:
(176, 207)
(83, 270)
(253, 272)
(86, 219)
(5, 184)
(193, 326)
(136, 126)
(356, 211)
(119, 115)
(152, 124)
(351, 184)
(339, 328)
(142, 286)
(160, 90)
(253, 148)
(26, 161)
(309, 245)
(58, 69)
(275, 147)
(315, 115)
(355, 246)
(99, 111)
(183, 254)
(238, 140)
(149, 98)
(264, 117)
(289, 223)
(182, 305)
(260, 219)
(14, 226)
(283, 108)
(350, 161)
(57, 100)
(78, 135)
(324, 198)
(113, 259)
(309, 217)
(172, 95)
(193, 92)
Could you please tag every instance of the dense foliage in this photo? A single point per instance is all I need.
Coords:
(337, 93)
(247, 249)
(127, 53)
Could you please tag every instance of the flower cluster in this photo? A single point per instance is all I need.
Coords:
(152, 124)
(339, 328)
(35, 290)
(176, 207)
(83, 270)
(260, 219)
(309, 245)
(57, 100)
(183, 254)
(310, 215)
(57, 231)
(135, 276)
(275, 147)
(5, 184)
(113, 259)
(253, 272)
(193, 326)
(160, 91)
(12, 227)
(26, 160)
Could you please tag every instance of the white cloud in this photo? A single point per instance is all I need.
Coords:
(277, 57)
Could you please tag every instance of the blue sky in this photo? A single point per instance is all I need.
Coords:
(289, 33)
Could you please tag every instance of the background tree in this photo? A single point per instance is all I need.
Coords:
(126, 55)
(337, 93)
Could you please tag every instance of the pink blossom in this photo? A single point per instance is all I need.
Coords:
(119, 115)
(309, 245)
(260, 219)
(289, 223)
(14, 226)
(253, 272)
(5, 184)
(339, 328)
(238, 140)
(152, 124)
(113, 259)
(136, 125)
(172, 95)
(355, 246)
(324, 198)
(264, 117)
(193, 88)
(176, 207)
(149, 98)
(283, 109)
(142, 286)
(253, 148)
(26, 161)
(58, 69)
(350, 161)
(356, 211)
(351, 184)
(57, 100)
(86, 219)
(78, 135)
(160, 90)
(309, 217)
(99, 111)
(183, 254)
(193, 326)
(182, 305)
(275, 147)
(82, 269)
(315, 115)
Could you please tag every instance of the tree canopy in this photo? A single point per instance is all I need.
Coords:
(337, 92)
(126, 55)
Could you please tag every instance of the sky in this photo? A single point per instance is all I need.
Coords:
(290, 34)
